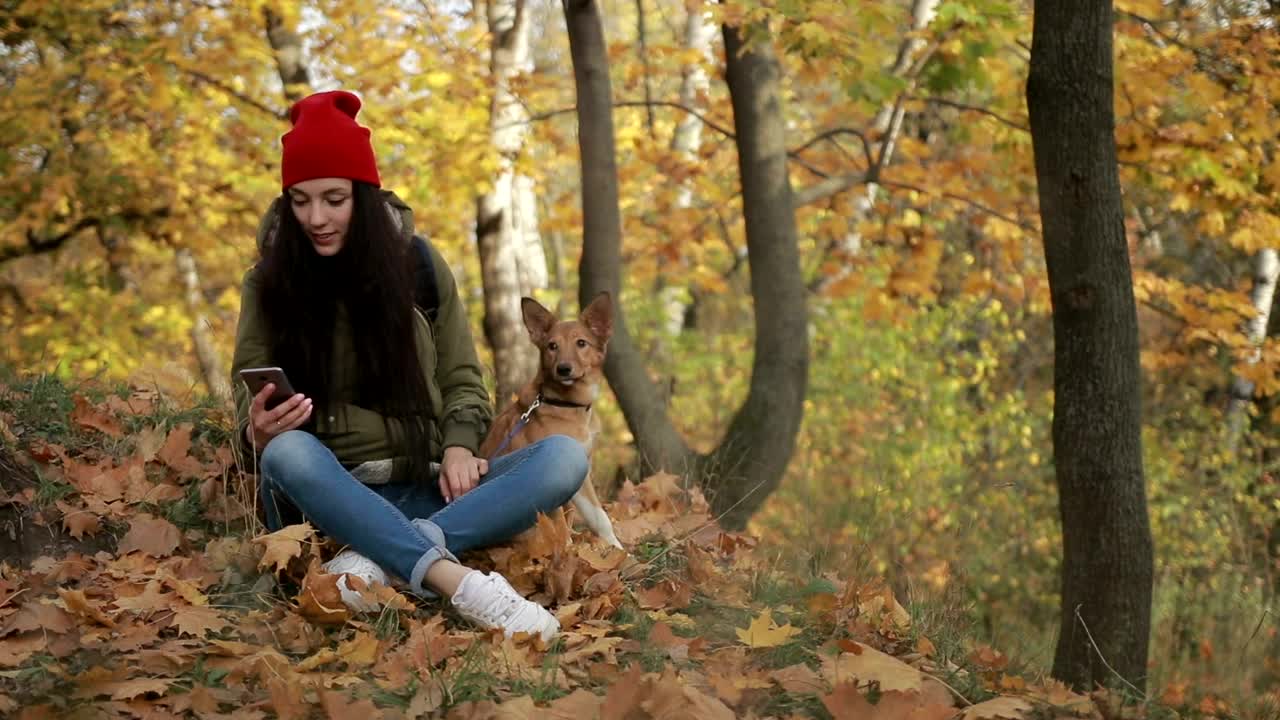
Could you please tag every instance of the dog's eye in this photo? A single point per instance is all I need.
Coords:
(553, 346)
(582, 343)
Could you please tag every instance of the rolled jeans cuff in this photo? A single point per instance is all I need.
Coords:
(433, 533)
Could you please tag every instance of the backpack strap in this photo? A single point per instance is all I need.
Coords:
(426, 293)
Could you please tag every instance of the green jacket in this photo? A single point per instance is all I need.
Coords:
(459, 401)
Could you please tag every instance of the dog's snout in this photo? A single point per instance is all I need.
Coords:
(564, 370)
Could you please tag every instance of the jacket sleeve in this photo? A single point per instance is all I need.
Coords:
(252, 349)
(467, 408)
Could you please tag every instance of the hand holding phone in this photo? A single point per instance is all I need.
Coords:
(276, 408)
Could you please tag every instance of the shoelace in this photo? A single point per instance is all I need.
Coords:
(503, 604)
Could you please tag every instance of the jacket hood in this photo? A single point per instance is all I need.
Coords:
(401, 218)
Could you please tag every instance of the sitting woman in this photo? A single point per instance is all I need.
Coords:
(383, 394)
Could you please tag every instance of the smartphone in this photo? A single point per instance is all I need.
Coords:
(257, 378)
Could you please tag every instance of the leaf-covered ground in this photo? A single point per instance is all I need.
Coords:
(133, 585)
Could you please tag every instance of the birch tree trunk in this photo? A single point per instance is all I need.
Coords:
(886, 126)
(1107, 564)
(1265, 273)
(287, 48)
(215, 375)
(512, 261)
(749, 462)
(687, 139)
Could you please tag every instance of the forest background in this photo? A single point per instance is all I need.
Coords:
(140, 147)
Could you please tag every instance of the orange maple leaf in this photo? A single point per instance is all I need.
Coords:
(88, 415)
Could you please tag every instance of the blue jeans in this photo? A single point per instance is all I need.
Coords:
(407, 526)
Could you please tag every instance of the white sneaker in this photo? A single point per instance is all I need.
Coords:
(350, 562)
(491, 602)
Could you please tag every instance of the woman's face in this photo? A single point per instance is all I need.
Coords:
(323, 208)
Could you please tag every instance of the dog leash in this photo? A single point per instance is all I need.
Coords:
(527, 415)
(524, 420)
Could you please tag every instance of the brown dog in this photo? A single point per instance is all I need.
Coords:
(557, 401)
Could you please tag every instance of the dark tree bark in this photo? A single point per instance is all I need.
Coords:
(749, 462)
(657, 442)
(1107, 548)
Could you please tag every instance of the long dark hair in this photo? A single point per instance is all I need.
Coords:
(372, 278)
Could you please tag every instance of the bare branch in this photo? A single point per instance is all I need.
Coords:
(535, 117)
(832, 133)
(971, 108)
(985, 209)
(38, 245)
(824, 189)
(212, 82)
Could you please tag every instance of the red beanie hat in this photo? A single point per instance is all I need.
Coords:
(326, 141)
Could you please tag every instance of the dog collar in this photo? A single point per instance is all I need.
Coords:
(544, 400)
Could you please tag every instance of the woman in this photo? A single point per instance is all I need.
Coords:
(383, 395)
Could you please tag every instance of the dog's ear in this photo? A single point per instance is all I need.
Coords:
(598, 317)
(537, 320)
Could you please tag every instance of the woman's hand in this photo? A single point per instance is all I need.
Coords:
(460, 472)
(265, 424)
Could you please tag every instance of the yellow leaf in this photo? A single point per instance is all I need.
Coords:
(360, 650)
(283, 545)
(764, 632)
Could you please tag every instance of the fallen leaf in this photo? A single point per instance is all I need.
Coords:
(16, 650)
(911, 706)
(871, 665)
(763, 632)
(336, 707)
(989, 658)
(176, 451)
(798, 678)
(199, 621)
(574, 706)
(322, 657)
(428, 699)
(35, 615)
(283, 545)
(79, 522)
(550, 534)
(88, 415)
(601, 558)
(148, 443)
(124, 689)
(1001, 708)
(78, 604)
(320, 599)
(359, 651)
(846, 703)
(151, 599)
(925, 647)
(624, 695)
(151, 535)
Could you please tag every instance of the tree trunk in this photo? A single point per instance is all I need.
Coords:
(658, 444)
(749, 463)
(287, 48)
(750, 460)
(215, 375)
(1266, 271)
(512, 262)
(686, 140)
(1107, 547)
